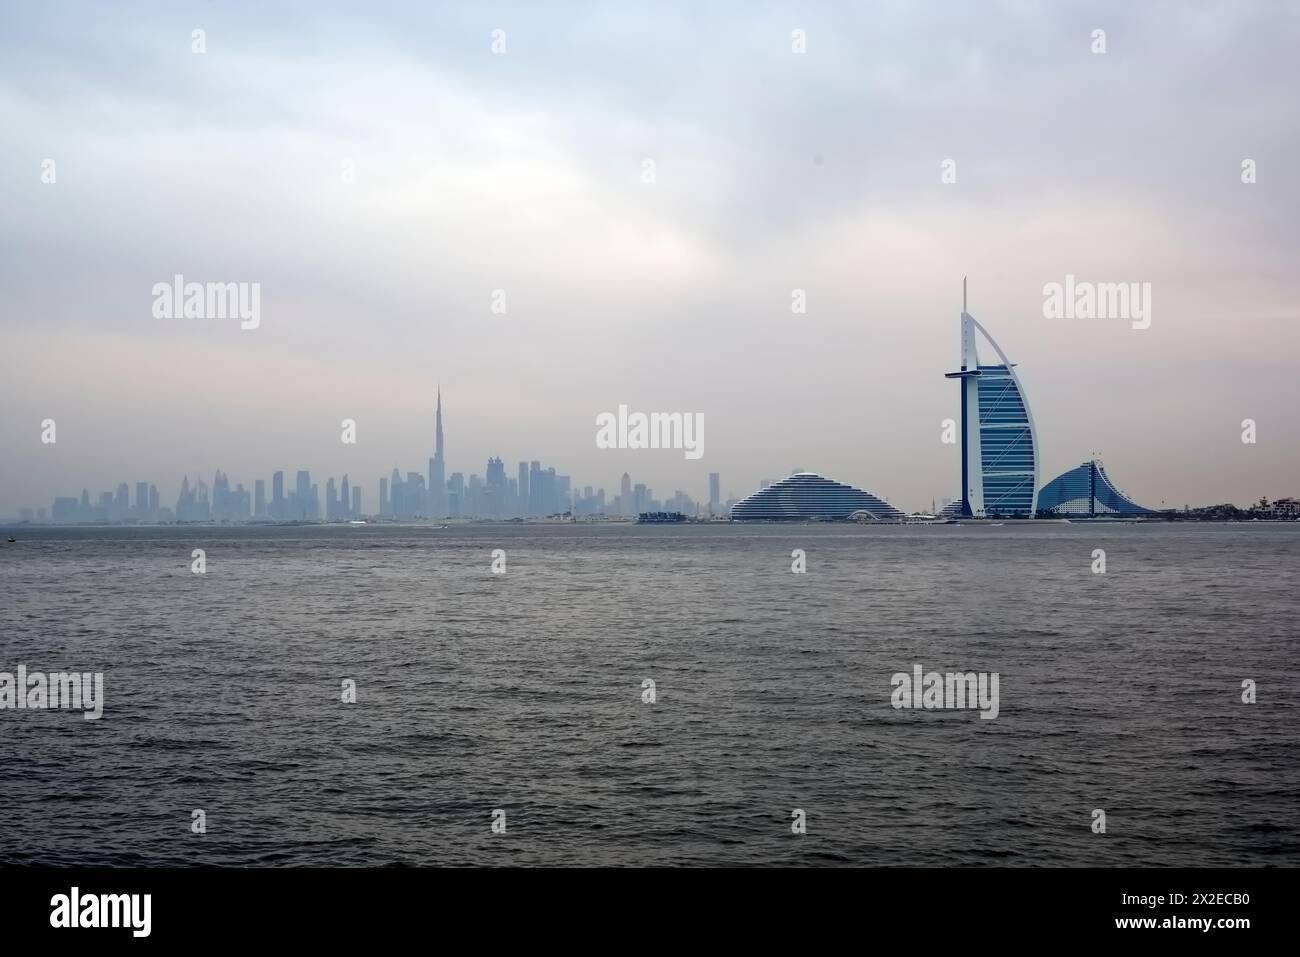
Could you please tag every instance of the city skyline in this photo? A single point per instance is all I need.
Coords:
(538, 491)
(552, 245)
(542, 491)
(547, 436)
(999, 446)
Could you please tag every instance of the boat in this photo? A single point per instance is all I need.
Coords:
(925, 518)
(660, 518)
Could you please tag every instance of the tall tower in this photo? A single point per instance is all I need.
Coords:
(999, 445)
(438, 469)
(437, 450)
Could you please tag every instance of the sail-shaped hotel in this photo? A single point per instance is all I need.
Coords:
(999, 445)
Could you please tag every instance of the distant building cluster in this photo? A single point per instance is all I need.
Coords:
(1280, 510)
(534, 491)
(109, 507)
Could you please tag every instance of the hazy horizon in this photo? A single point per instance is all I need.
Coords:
(474, 171)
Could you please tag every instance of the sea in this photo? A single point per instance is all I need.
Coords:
(650, 695)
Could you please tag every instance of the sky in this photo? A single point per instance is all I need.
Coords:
(647, 185)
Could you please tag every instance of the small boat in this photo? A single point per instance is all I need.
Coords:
(12, 539)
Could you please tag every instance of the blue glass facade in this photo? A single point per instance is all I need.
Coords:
(1086, 490)
(999, 447)
(1007, 454)
(806, 495)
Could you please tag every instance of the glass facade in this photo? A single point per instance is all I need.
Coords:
(806, 495)
(999, 446)
(1086, 490)
(1006, 444)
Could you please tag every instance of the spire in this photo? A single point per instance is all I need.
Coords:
(963, 293)
(437, 450)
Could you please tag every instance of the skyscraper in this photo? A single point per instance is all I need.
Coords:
(303, 506)
(192, 505)
(277, 495)
(259, 498)
(522, 508)
(397, 496)
(417, 498)
(715, 490)
(471, 504)
(550, 495)
(455, 493)
(356, 501)
(438, 468)
(535, 488)
(495, 488)
(999, 445)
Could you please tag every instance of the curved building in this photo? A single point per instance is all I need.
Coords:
(806, 495)
(999, 445)
(1086, 490)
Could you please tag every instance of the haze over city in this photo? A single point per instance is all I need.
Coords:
(381, 181)
(536, 434)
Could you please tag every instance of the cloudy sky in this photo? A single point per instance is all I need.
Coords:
(526, 171)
